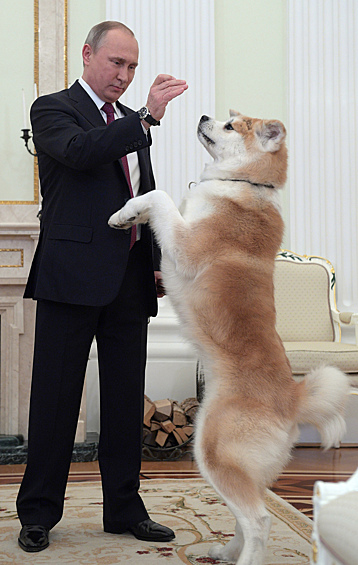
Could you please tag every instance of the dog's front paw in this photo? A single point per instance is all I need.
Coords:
(130, 214)
(216, 551)
(120, 221)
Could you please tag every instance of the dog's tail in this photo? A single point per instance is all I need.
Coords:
(323, 396)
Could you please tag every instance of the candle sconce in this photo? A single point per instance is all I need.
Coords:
(26, 137)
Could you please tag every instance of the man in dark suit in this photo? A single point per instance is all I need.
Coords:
(90, 280)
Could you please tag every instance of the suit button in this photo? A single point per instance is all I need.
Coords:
(135, 144)
(140, 142)
(127, 148)
(131, 146)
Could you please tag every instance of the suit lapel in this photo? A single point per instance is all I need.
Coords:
(85, 105)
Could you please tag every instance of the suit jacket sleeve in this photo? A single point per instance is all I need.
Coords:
(66, 134)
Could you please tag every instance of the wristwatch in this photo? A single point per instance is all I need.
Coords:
(144, 114)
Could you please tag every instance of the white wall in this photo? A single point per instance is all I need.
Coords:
(251, 64)
(82, 15)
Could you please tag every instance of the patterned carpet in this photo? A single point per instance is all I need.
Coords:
(295, 487)
(190, 507)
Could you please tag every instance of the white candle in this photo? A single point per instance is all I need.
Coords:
(35, 90)
(24, 108)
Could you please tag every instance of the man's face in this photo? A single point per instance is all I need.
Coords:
(111, 69)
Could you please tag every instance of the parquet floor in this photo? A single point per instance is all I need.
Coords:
(295, 484)
(309, 465)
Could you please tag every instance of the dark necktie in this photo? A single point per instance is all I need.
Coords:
(109, 111)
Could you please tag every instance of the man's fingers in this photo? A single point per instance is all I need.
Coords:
(169, 90)
(174, 92)
(175, 85)
(169, 82)
(162, 78)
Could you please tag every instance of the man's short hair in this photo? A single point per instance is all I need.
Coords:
(98, 33)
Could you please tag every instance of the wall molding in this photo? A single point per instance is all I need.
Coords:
(12, 325)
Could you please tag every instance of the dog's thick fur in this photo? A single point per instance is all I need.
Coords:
(218, 263)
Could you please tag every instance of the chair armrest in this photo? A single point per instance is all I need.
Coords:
(346, 319)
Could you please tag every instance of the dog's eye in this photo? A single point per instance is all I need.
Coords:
(228, 126)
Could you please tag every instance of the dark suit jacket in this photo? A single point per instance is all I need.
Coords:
(79, 258)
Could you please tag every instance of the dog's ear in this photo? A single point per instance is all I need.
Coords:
(234, 113)
(270, 134)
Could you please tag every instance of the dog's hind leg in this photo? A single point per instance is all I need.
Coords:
(248, 547)
(256, 531)
(231, 551)
(241, 488)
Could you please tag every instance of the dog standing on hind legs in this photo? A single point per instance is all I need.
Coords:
(218, 263)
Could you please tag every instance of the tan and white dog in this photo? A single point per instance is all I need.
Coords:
(218, 263)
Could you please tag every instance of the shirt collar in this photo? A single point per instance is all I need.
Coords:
(96, 99)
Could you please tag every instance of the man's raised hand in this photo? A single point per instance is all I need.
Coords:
(164, 89)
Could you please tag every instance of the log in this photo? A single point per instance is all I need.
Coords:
(189, 403)
(149, 410)
(149, 439)
(168, 426)
(178, 437)
(182, 434)
(161, 437)
(154, 426)
(163, 410)
(190, 407)
(179, 418)
(189, 430)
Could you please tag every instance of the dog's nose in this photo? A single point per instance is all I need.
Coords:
(204, 118)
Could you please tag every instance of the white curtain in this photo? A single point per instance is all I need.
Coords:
(175, 37)
(323, 143)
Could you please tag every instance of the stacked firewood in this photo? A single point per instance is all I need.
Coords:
(168, 423)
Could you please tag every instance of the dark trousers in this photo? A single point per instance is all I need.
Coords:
(63, 338)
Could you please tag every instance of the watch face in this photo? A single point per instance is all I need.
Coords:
(143, 113)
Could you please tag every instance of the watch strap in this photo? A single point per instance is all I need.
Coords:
(144, 114)
(151, 120)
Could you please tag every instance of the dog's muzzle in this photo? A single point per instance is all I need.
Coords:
(201, 133)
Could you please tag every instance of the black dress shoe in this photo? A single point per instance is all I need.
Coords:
(151, 531)
(33, 538)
